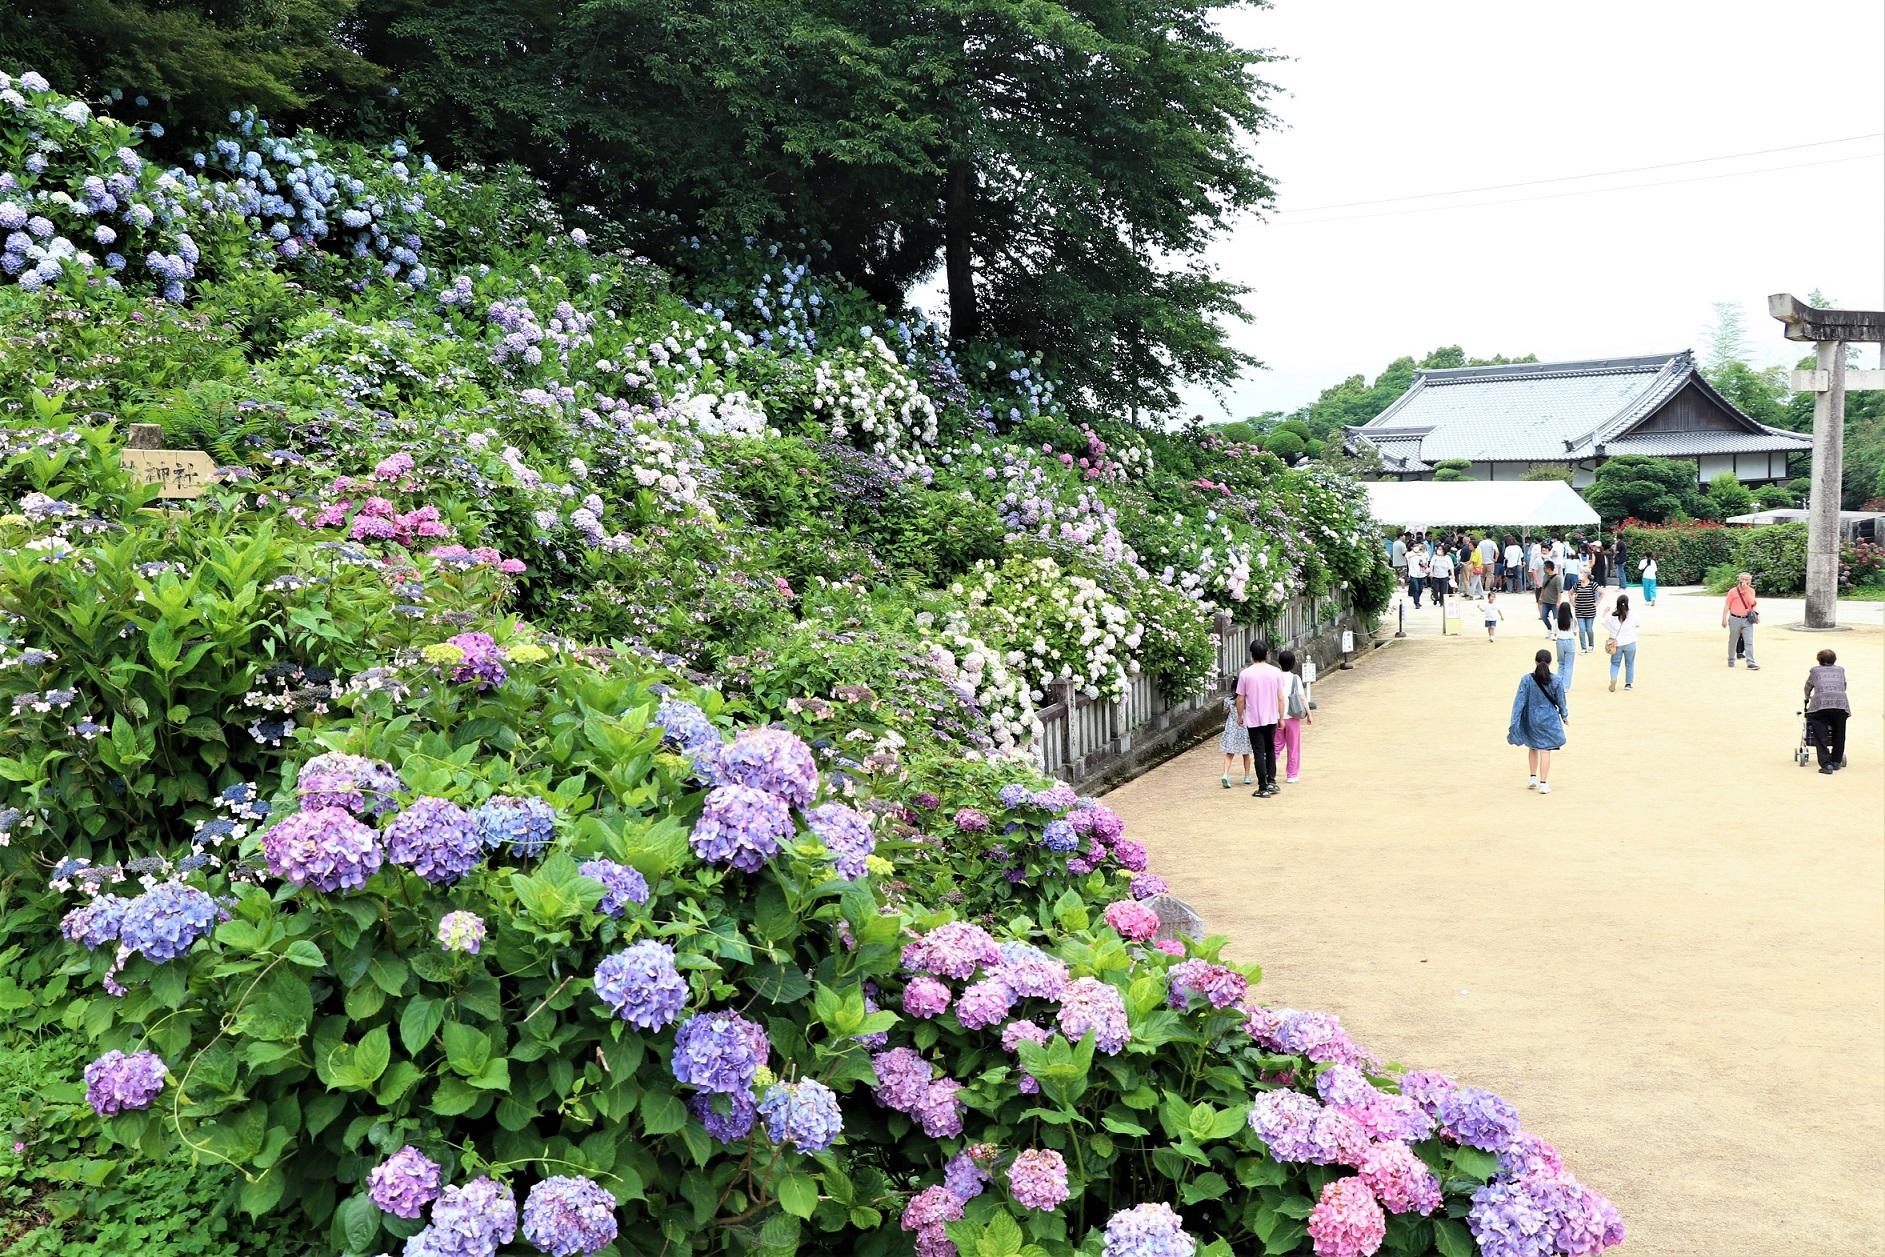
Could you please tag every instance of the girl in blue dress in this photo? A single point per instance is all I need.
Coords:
(1539, 712)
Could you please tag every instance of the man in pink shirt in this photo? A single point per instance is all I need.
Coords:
(1260, 689)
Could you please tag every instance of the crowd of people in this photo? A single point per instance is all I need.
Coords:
(1455, 564)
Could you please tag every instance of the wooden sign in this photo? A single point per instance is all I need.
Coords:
(177, 473)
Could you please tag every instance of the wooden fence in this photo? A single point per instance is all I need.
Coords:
(1080, 735)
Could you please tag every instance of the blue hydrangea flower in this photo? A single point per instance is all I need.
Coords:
(527, 825)
(1058, 835)
(730, 1126)
(741, 826)
(846, 834)
(642, 985)
(569, 1216)
(805, 1113)
(470, 1221)
(166, 920)
(1478, 1118)
(96, 923)
(436, 839)
(1013, 795)
(625, 885)
(718, 1052)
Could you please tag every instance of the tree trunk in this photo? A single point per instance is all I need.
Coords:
(965, 320)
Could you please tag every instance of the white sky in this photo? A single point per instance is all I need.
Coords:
(1385, 98)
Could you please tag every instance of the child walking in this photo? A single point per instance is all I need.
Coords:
(1235, 742)
(1489, 611)
(1295, 715)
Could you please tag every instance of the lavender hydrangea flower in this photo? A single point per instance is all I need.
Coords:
(983, 1004)
(526, 824)
(624, 884)
(461, 931)
(717, 1052)
(1029, 972)
(470, 1221)
(940, 1110)
(569, 1216)
(964, 1176)
(96, 923)
(1219, 984)
(1479, 1118)
(686, 727)
(846, 834)
(354, 783)
(1058, 836)
(1318, 1036)
(727, 1127)
(903, 1078)
(1056, 798)
(741, 826)
(1146, 885)
(1392, 1117)
(1150, 1230)
(804, 1113)
(954, 949)
(971, 821)
(1427, 1088)
(483, 660)
(116, 1083)
(926, 1213)
(1528, 1154)
(1038, 1179)
(642, 985)
(1090, 1004)
(325, 848)
(1344, 1085)
(436, 839)
(772, 760)
(405, 1183)
(925, 997)
(1285, 1122)
(1012, 796)
(1508, 1222)
(165, 921)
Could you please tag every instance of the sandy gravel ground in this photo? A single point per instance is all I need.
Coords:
(1674, 964)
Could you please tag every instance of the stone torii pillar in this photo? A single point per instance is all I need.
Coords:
(1830, 331)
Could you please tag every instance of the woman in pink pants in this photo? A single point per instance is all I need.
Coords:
(1295, 714)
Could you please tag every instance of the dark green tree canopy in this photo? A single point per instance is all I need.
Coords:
(1651, 489)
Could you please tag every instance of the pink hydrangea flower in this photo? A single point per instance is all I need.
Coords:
(1134, 921)
(1347, 1222)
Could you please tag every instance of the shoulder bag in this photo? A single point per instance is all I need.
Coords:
(1293, 704)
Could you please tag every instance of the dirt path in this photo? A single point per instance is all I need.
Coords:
(1674, 964)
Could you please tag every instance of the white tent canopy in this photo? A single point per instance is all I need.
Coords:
(1507, 503)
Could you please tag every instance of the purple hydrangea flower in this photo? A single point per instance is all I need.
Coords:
(954, 949)
(1285, 1122)
(686, 727)
(1345, 1085)
(1146, 885)
(1056, 798)
(527, 824)
(877, 1038)
(925, 1215)
(964, 1175)
(741, 826)
(642, 985)
(1579, 1221)
(1151, 1230)
(846, 834)
(96, 923)
(804, 1113)
(325, 848)
(718, 1052)
(624, 884)
(940, 1110)
(983, 1004)
(1090, 1004)
(483, 661)
(726, 1127)
(1221, 985)
(436, 839)
(1038, 1179)
(1399, 1179)
(1318, 1036)
(569, 1216)
(1131, 855)
(1013, 796)
(1029, 972)
(970, 821)
(925, 997)
(1427, 1088)
(405, 1183)
(461, 931)
(1479, 1118)
(1528, 1154)
(354, 783)
(1059, 836)
(902, 1079)
(165, 921)
(469, 1221)
(1508, 1222)
(925, 800)
(116, 1083)
(1391, 1117)
(772, 760)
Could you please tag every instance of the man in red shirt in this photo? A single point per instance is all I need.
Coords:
(1260, 690)
(1739, 614)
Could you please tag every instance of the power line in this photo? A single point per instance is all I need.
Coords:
(1554, 196)
(1600, 174)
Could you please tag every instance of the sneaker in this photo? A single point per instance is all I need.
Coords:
(1613, 685)
(1259, 793)
(1754, 667)
(1250, 781)
(1628, 686)
(1731, 663)
(1531, 783)
(1544, 787)
(1226, 780)
(1292, 780)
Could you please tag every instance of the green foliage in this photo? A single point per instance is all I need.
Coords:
(1728, 496)
(1684, 552)
(1775, 556)
(1284, 444)
(1772, 497)
(1453, 469)
(1550, 471)
(1650, 489)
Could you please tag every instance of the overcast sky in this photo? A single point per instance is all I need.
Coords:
(1386, 98)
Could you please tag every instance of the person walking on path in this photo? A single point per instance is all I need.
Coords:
(1440, 576)
(1584, 605)
(1827, 708)
(1490, 611)
(1565, 637)
(1397, 558)
(1235, 742)
(1550, 591)
(1649, 580)
(1740, 612)
(1295, 715)
(1514, 565)
(1260, 708)
(1416, 572)
(1621, 565)
(1540, 711)
(1621, 624)
(1599, 565)
(1535, 564)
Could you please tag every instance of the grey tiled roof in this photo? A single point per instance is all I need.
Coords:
(1550, 411)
